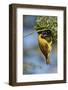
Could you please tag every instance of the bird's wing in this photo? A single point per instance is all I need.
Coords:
(47, 46)
(43, 45)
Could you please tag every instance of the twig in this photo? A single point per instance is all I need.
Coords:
(33, 32)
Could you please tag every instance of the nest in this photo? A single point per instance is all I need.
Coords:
(47, 23)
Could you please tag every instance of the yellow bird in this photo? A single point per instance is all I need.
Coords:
(45, 44)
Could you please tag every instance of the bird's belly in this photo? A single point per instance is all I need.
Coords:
(44, 46)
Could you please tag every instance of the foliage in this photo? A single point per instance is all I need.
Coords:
(47, 23)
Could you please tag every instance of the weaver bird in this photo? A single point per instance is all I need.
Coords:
(45, 44)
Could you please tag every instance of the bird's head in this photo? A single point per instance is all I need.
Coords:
(46, 33)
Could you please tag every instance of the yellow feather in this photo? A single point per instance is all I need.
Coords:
(45, 46)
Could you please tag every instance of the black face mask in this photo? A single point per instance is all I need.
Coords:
(46, 33)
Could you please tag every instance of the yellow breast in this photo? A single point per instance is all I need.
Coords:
(44, 45)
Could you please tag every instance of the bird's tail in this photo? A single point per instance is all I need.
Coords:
(48, 60)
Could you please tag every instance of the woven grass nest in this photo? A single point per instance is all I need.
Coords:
(47, 23)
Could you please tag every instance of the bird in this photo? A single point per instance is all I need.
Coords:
(45, 44)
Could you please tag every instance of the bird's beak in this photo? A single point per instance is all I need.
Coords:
(43, 36)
